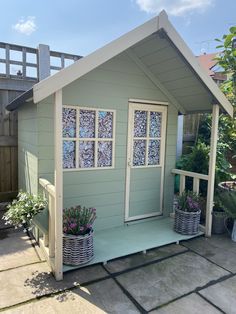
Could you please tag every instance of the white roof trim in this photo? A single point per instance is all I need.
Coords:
(84, 65)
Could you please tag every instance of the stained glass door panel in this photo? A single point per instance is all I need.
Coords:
(145, 160)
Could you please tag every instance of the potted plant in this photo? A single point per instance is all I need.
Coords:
(219, 217)
(22, 210)
(227, 196)
(187, 213)
(78, 235)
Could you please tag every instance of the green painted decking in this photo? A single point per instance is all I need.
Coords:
(132, 238)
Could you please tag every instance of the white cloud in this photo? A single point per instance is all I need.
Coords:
(174, 7)
(25, 26)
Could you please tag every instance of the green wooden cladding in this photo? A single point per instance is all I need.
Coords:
(110, 87)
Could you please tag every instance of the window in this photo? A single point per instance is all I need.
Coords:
(146, 138)
(88, 138)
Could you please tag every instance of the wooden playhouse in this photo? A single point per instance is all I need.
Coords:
(103, 132)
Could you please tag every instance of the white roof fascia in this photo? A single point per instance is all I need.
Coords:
(84, 65)
(191, 59)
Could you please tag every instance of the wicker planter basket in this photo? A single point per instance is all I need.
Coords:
(77, 250)
(187, 222)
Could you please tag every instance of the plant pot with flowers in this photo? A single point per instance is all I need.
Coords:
(187, 213)
(78, 235)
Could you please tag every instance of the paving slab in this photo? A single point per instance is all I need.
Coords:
(16, 249)
(140, 258)
(28, 282)
(223, 295)
(216, 249)
(162, 282)
(193, 304)
(102, 297)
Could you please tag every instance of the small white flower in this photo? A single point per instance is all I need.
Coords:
(24, 230)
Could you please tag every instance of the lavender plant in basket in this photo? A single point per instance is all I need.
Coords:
(78, 220)
(78, 235)
(187, 213)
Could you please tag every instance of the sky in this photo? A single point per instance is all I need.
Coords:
(82, 26)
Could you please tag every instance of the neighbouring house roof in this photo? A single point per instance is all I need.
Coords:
(207, 62)
(210, 65)
(163, 56)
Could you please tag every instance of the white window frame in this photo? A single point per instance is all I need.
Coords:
(148, 108)
(95, 139)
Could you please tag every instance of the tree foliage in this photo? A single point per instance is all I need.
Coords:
(198, 159)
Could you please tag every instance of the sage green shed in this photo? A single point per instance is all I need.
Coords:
(102, 133)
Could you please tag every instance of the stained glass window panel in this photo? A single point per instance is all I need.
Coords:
(86, 154)
(68, 122)
(140, 123)
(139, 152)
(155, 124)
(87, 123)
(105, 124)
(68, 154)
(154, 152)
(104, 154)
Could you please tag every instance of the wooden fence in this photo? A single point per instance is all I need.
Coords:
(8, 147)
(20, 68)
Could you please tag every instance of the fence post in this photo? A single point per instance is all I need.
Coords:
(43, 61)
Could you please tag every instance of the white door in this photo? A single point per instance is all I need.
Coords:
(145, 161)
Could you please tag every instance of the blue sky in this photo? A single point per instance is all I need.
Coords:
(81, 26)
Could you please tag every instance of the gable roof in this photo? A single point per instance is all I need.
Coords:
(153, 31)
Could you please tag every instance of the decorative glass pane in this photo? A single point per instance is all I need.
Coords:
(140, 123)
(154, 152)
(86, 154)
(68, 154)
(105, 154)
(155, 124)
(139, 152)
(86, 123)
(68, 122)
(105, 124)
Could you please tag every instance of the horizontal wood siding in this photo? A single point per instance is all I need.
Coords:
(27, 148)
(109, 87)
(46, 139)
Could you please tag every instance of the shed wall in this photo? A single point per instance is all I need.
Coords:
(108, 87)
(28, 150)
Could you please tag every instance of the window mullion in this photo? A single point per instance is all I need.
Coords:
(77, 139)
(147, 138)
(96, 140)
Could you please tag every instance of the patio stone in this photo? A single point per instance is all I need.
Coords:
(223, 295)
(16, 250)
(140, 258)
(193, 304)
(160, 283)
(220, 249)
(101, 297)
(28, 282)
